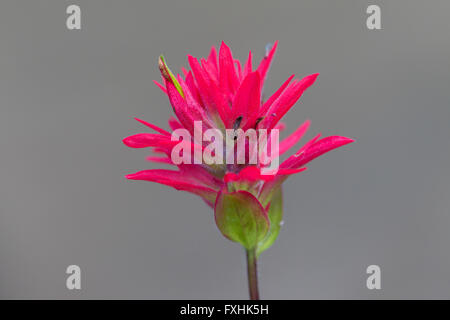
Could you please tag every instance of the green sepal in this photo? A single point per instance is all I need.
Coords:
(241, 218)
(275, 214)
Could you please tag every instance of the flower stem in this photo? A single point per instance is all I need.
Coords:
(252, 274)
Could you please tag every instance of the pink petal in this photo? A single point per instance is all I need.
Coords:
(159, 160)
(201, 175)
(159, 85)
(187, 114)
(316, 150)
(176, 180)
(210, 70)
(283, 172)
(193, 108)
(185, 72)
(209, 92)
(248, 174)
(227, 71)
(174, 124)
(309, 143)
(144, 140)
(286, 100)
(252, 174)
(295, 137)
(192, 87)
(239, 68)
(212, 58)
(280, 126)
(162, 143)
(275, 96)
(246, 101)
(266, 62)
(248, 65)
(179, 106)
(152, 126)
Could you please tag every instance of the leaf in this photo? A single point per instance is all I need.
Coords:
(275, 215)
(241, 218)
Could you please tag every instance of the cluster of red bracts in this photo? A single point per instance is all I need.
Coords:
(222, 94)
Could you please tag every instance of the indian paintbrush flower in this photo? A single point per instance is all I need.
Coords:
(219, 93)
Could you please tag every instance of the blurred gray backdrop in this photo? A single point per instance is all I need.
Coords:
(67, 98)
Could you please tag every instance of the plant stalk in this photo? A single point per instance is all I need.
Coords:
(252, 274)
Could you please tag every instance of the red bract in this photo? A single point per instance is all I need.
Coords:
(223, 94)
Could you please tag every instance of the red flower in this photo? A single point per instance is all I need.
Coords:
(222, 94)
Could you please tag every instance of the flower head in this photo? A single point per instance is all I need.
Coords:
(221, 94)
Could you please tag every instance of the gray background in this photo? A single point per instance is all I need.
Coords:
(67, 98)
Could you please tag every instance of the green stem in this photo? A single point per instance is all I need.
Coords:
(252, 274)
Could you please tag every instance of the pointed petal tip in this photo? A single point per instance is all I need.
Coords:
(224, 46)
(159, 85)
(346, 140)
(129, 142)
(337, 140)
(271, 47)
(350, 140)
(306, 81)
(152, 126)
(312, 77)
(124, 141)
(192, 60)
(141, 121)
